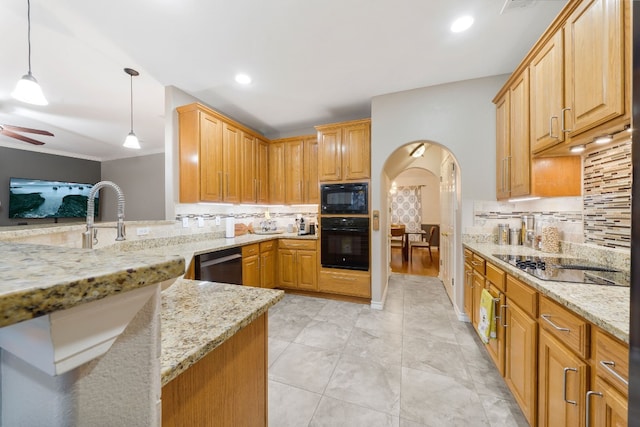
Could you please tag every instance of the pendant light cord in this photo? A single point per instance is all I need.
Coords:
(29, 31)
(131, 80)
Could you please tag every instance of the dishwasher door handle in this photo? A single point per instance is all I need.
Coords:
(220, 260)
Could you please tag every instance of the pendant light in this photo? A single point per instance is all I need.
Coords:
(131, 141)
(28, 90)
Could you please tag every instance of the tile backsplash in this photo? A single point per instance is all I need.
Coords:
(607, 196)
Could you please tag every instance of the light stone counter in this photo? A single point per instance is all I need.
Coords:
(199, 316)
(40, 279)
(604, 306)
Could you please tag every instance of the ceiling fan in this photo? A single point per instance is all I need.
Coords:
(10, 131)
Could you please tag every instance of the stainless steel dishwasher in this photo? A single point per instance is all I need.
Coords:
(224, 266)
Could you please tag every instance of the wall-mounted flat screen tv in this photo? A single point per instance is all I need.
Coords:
(36, 198)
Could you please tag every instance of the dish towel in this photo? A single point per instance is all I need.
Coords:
(487, 323)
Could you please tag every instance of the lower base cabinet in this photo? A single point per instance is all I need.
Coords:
(345, 282)
(228, 387)
(297, 264)
(609, 405)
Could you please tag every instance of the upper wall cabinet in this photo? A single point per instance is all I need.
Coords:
(214, 151)
(344, 151)
(294, 170)
(580, 73)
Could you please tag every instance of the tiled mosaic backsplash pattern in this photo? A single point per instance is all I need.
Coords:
(607, 197)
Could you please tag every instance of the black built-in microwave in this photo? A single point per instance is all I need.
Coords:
(344, 199)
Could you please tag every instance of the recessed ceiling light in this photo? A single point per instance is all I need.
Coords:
(243, 79)
(461, 24)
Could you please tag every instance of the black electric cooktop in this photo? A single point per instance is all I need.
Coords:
(561, 269)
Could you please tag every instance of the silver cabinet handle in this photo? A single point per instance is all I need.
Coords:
(476, 263)
(546, 317)
(220, 180)
(564, 385)
(551, 135)
(504, 318)
(509, 173)
(608, 365)
(496, 301)
(588, 406)
(504, 175)
(562, 121)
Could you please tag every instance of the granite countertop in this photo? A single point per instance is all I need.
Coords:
(199, 316)
(42, 279)
(605, 306)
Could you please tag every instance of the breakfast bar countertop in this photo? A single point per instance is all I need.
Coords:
(41, 279)
(605, 306)
(199, 316)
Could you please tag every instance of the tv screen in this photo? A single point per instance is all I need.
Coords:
(35, 198)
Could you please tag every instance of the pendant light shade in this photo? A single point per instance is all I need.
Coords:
(28, 90)
(131, 141)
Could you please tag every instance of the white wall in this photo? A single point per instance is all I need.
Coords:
(460, 117)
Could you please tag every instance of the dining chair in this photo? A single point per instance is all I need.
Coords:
(397, 235)
(429, 243)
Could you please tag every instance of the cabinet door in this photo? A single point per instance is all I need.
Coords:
(502, 147)
(468, 290)
(547, 94)
(262, 172)
(231, 168)
(611, 408)
(496, 346)
(329, 154)
(276, 173)
(478, 286)
(249, 180)
(251, 271)
(595, 64)
(210, 158)
(562, 384)
(519, 164)
(312, 188)
(521, 347)
(307, 262)
(293, 165)
(287, 268)
(268, 269)
(356, 151)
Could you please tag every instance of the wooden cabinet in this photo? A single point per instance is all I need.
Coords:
(345, 282)
(294, 164)
(344, 151)
(495, 284)
(268, 264)
(521, 335)
(258, 264)
(251, 265)
(476, 294)
(562, 384)
(595, 82)
(262, 173)
(228, 387)
(297, 264)
(503, 150)
(213, 153)
(468, 283)
(276, 173)
(607, 401)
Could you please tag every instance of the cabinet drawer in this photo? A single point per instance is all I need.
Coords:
(572, 330)
(267, 246)
(495, 276)
(612, 360)
(524, 296)
(468, 256)
(297, 244)
(478, 263)
(250, 250)
(345, 283)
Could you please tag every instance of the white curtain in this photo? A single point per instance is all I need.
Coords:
(406, 207)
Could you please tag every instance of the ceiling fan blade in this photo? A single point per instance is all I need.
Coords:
(21, 137)
(29, 130)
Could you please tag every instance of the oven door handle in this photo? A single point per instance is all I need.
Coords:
(352, 230)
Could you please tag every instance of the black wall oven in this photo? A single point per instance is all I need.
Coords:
(345, 199)
(344, 243)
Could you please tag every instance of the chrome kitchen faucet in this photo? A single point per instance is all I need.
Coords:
(89, 237)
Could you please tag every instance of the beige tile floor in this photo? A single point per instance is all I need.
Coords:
(334, 363)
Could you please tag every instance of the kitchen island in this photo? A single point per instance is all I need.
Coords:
(75, 289)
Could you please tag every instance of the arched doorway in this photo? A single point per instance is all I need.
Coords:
(438, 161)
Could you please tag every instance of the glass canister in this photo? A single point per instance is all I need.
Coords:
(550, 238)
